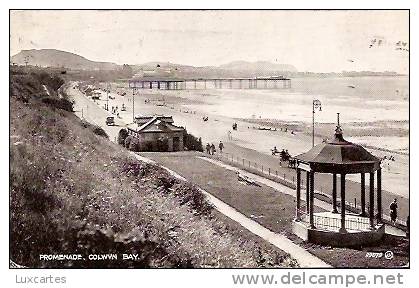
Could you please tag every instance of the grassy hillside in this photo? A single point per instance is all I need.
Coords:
(74, 192)
(58, 58)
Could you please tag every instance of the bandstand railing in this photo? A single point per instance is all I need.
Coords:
(331, 223)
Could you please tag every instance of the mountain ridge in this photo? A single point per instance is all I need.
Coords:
(69, 60)
(59, 58)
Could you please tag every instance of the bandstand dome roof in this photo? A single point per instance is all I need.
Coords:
(339, 156)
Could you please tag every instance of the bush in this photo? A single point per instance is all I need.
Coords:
(99, 131)
(192, 196)
(146, 146)
(127, 141)
(62, 104)
(132, 143)
(190, 142)
(122, 135)
(54, 82)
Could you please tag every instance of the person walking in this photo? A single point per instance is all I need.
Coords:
(221, 146)
(208, 148)
(229, 135)
(393, 211)
(212, 148)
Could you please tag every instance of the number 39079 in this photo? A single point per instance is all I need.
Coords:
(374, 255)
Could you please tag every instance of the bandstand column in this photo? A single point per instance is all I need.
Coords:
(342, 203)
(371, 212)
(334, 194)
(363, 194)
(308, 192)
(297, 210)
(312, 200)
(379, 204)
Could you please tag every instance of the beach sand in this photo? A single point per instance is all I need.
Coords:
(188, 110)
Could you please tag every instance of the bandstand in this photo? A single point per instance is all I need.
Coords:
(338, 227)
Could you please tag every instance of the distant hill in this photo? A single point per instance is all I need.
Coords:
(153, 65)
(258, 66)
(232, 69)
(58, 58)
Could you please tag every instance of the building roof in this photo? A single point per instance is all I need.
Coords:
(141, 120)
(339, 156)
(158, 124)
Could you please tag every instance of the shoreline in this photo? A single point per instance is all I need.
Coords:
(175, 103)
(302, 127)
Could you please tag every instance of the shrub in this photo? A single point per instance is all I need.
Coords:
(128, 141)
(62, 104)
(196, 199)
(137, 169)
(147, 146)
(132, 143)
(99, 131)
(190, 142)
(122, 135)
(54, 82)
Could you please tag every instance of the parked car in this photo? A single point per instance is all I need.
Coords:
(110, 121)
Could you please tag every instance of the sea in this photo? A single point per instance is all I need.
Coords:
(367, 102)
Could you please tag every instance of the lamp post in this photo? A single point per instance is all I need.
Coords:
(132, 84)
(133, 106)
(316, 105)
(107, 96)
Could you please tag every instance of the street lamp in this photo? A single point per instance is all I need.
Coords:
(316, 105)
(133, 107)
(108, 86)
(133, 86)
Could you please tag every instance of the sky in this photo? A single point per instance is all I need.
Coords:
(317, 41)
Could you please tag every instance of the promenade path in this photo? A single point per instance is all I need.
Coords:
(302, 256)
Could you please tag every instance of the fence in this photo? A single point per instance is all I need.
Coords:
(331, 223)
(290, 181)
(258, 168)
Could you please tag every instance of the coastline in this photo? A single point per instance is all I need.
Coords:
(175, 103)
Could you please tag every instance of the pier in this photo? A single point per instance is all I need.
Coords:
(210, 83)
